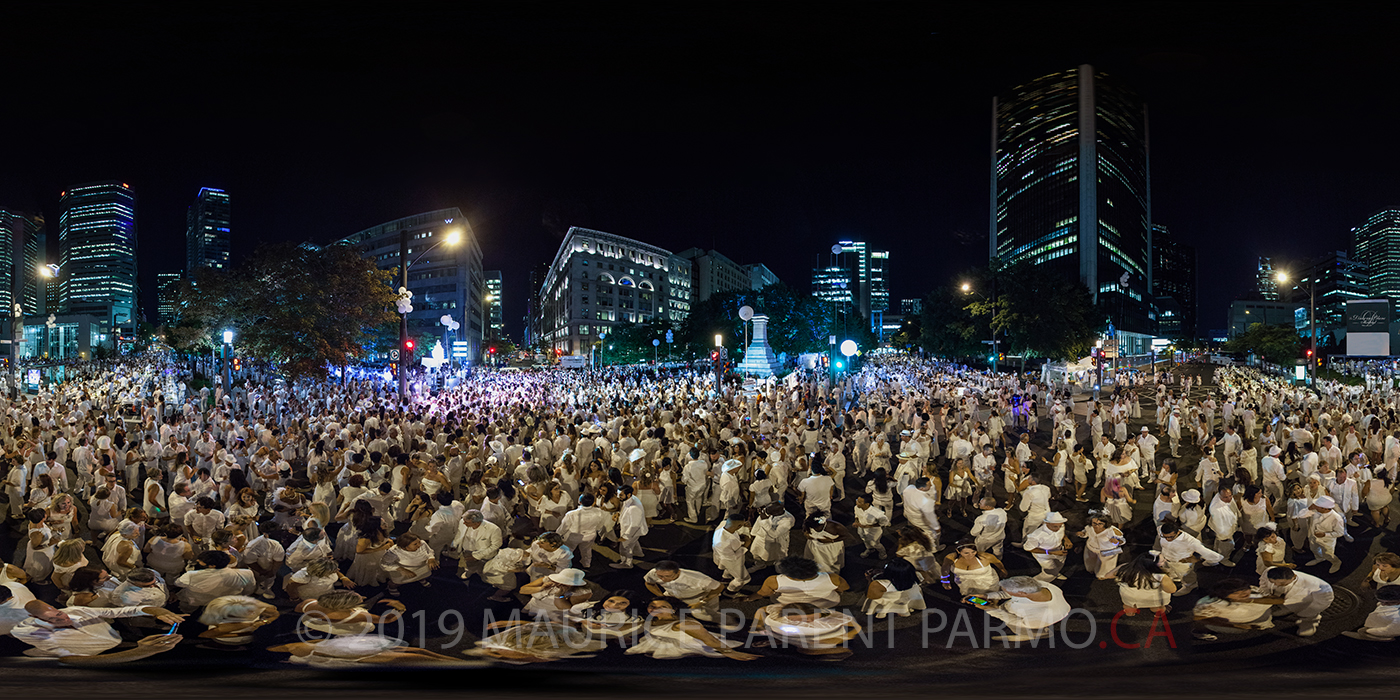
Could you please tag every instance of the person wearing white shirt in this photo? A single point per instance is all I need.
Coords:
(1383, 623)
(13, 597)
(989, 529)
(727, 549)
(201, 522)
(1035, 503)
(1326, 525)
(1180, 552)
(770, 533)
(815, 492)
(313, 544)
(580, 528)
(1048, 545)
(80, 635)
(870, 523)
(1224, 521)
(213, 576)
(142, 587)
(699, 592)
(477, 542)
(1147, 448)
(1273, 474)
(1030, 609)
(631, 526)
(1301, 594)
(920, 509)
(264, 557)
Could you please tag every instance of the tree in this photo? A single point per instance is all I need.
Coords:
(300, 308)
(1040, 312)
(947, 327)
(1279, 344)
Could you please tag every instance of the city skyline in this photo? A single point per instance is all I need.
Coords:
(695, 157)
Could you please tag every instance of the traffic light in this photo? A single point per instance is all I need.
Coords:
(714, 354)
(237, 364)
(408, 345)
(492, 351)
(1309, 352)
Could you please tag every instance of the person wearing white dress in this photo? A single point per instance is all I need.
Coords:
(975, 572)
(1102, 544)
(1049, 546)
(770, 532)
(894, 590)
(669, 637)
(826, 542)
(1143, 583)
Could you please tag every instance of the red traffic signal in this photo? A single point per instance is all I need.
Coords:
(492, 351)
(408, 345)
(1309, 351)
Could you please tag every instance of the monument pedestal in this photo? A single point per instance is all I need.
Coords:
(759, 359)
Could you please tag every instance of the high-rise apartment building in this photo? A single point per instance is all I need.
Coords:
(1174, 277)
(445, 278)
(533, 304)
(1377, 245)
(207, 238)
(1070, 191)
(167, 292)
(600, 280)
(97, 253)
(495, 326)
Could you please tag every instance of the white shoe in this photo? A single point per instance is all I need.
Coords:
(1313, 562)
(621, 565)
(1227, 562)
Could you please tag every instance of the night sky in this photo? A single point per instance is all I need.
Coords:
(767, 131)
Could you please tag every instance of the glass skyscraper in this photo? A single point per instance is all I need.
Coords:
(1070, 190)
(22, 251)
(207, 231)
(495, 322)
(1174, 279)
(97, 258)
(167, 287)
(1377, 244)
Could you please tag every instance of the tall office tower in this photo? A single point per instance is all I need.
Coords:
(1174, 278)
(1377, 244)
(711, 272)
(879, 281)
(167, 289)
(495, 327)
(911, 307)
(533, 317)
(1266, 280)
(207, 238)
(97, 259)
(22, 254)
(1339, 279)
(1070, 191)
(834, 283)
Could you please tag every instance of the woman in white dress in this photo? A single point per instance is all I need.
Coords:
(913, 546)
(169, 551)
(1255, 511)
(1377, 493)
(669, 637)
(1270, 549)
(373, 542)
(553, 505)
(1102, 544)
(120, 553)
(245, 504)
(409, 561)
(1142, 583)
(68, 557)
(894, 590)
(61, 515)
(103, 514)
(975, 573)
(39, 546)
(826, 542)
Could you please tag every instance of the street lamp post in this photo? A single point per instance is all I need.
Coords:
(1312, 324)
(404, 263)
(228, 375)
(967, 289)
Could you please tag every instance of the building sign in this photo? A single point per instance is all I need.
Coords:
(1368, 327)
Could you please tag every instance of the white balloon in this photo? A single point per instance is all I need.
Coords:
(746, 312)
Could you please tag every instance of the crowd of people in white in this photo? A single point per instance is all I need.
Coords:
(132, 498)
